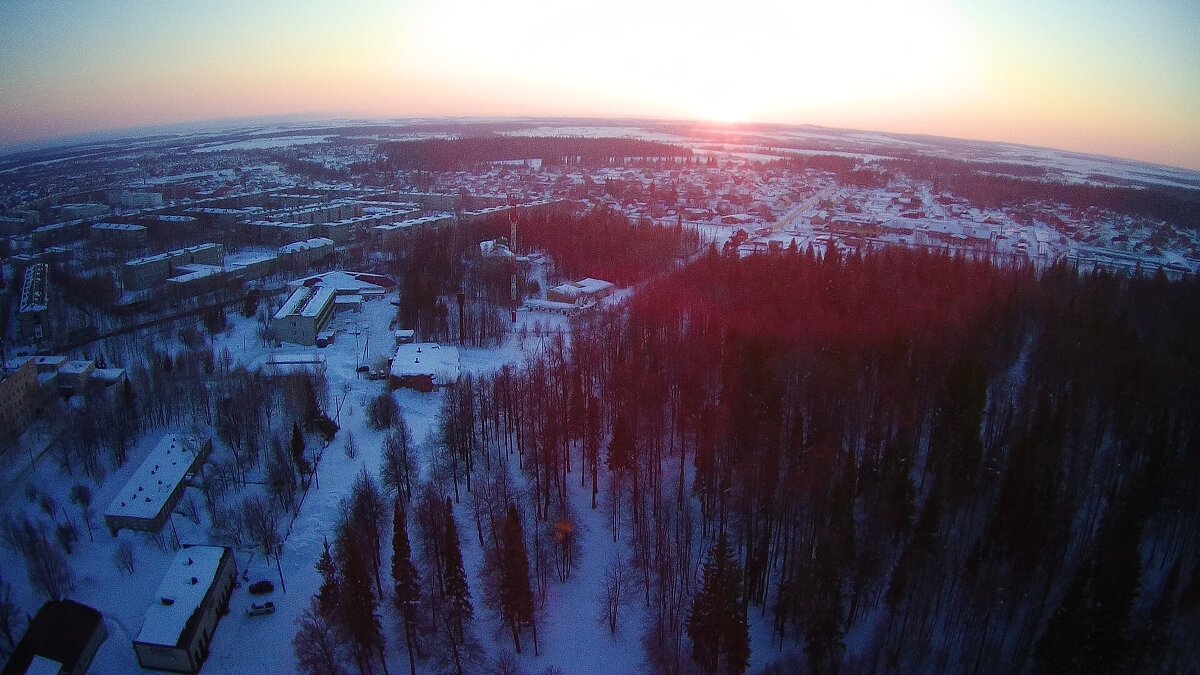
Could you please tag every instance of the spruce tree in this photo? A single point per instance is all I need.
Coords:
(457, 591)
(357, 607)
(327, 596)
(717, 623)
(297, 448)
(457, 594)
(407, 580)
(516, 596)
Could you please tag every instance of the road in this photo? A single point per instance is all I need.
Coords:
(800, 209)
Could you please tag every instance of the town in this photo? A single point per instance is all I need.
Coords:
(214, 344)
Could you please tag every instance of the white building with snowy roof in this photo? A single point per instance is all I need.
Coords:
(304, 315)
(155, 487)
(179, 625)
(581, 291)
(423, 366)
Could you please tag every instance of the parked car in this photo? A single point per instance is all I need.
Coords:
(261, 587)
(256, 609)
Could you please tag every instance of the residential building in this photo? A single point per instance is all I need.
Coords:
(302, 254)
(63, 638)
(142, 273)
(179, 626)
(139, 200)
(33, 314)
(83, 210)
(117, 235)
(20, 398)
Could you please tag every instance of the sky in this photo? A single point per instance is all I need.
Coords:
(1111, 77)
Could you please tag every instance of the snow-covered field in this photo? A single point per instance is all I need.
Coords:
(264, 143)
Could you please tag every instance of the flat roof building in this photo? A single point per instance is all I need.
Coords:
(423, 366)
(581, 291)
(33, 314)
(117, 235)
(20, 397)
(304, 315)
(154, 489)
(63, 638)
(179, 625)
(149, 271)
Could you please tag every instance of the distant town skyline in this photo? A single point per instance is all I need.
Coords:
(1116, 78)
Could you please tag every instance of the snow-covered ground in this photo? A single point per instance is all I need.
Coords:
(264, 143)
(571, 637)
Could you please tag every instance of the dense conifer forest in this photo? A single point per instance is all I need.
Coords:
(909, 461)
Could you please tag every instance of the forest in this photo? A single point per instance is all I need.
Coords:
(902, 461)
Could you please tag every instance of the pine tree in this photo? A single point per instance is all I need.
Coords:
(717, 623)
(516, 596)
(407, 580)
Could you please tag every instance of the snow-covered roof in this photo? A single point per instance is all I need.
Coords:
(592, 286)
(306, 301)
(418, 359)
(307, 245)
(152, 484)
(319, 299)
(40, 665)
(184, 586)
(76, 367)
(346, 282)
(570, 290)
(172, 254)
(126, 227)
(552, 306)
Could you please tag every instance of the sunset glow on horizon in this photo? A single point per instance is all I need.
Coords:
(1120, 79)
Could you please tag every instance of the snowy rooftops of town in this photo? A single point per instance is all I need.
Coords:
(195, 271)
(420, 359)
(174, 219)
(180, 594)
(153, 482)
(307, 245)
(249, 258)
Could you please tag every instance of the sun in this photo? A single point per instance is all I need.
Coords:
(723, 111)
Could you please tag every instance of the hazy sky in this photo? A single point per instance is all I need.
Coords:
(1112, 77)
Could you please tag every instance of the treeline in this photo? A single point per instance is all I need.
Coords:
(602, 243)
(461, 153)
(988, 187)
(850, 171)
(903, 461)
